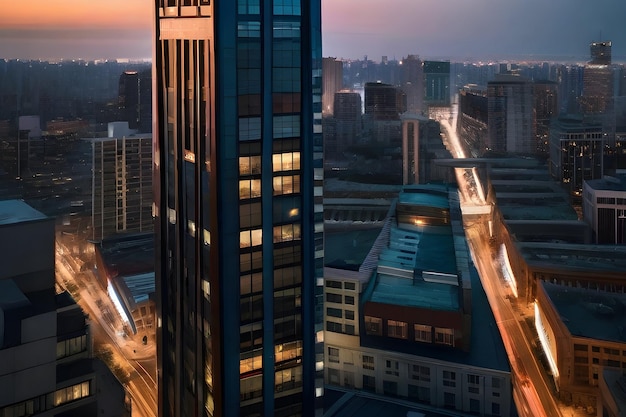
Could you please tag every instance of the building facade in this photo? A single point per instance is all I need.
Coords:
(238, 177)
(604, 209)
(511, 114)
(121, 183)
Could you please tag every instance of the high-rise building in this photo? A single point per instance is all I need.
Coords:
(436, 83)
(121, 196)
(238, 206)
(412, 79)
(510, 114)
(384, 101)
(332, 78)
(546, 108)
(600, 52)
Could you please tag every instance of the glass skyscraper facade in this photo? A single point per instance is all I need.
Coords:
(238, 206)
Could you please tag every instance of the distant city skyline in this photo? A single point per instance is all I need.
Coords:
(450, 29)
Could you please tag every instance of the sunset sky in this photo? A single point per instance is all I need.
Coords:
(453, 29)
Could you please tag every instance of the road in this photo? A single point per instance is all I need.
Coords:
(532, 394)
(136, 361)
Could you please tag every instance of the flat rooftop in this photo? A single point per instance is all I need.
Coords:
(127, 255)
(617, 183)
(347, 248)
(591, 314)
(17, 211)
(575, 257)
(486, 347)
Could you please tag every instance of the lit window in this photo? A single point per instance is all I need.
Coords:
(397, 329)
(287, 161)
(423, 333)
(288, 184)
(249, 165)
(373, 326)
(249, 238)
(286, 233)
(249, 189)
(444, 336)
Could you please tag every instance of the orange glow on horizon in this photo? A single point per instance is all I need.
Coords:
(74, 14)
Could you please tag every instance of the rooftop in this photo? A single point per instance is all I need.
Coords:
(17, 211)
(591, 314)
(575, 257)
(607, 183)
(127, 255)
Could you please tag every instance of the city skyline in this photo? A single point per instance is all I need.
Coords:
(562, 30)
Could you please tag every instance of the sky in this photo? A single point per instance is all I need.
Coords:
(446, 29)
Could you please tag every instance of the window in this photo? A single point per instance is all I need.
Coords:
(288, 161)
(349, 300)
(369, 383)
(420, 373)
(474, 406)
(288, 184)
(349, 314)
(333, 298)
(333, 284)
(418, 393)
(423, 333)
(331, 326)
(333, 354)
(444, 336)
(496, 382)
(373, 326)
(449, 379)
(495, 409)
(581, 348)
(249, 238)
(390, 388)
(249, 189)
(349, 285)
(397, 329)
(449, 400)
(334, 312)
(595, 349)
(392, 367)
(349, 329)
(286, 233)
(249, 165)
(368, 362)
(473, 379)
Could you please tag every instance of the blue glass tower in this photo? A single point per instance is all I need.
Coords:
(238, 177)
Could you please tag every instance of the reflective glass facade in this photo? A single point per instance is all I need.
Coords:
(238, 203)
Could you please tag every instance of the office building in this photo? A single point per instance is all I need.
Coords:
(238, 206)
(510, 114)
(546, 108)
(345, 127)
(436, 83)
(604, 209)
(121, 182)
(46, 367)
(472, 119)
(412, 83)
(600, 52)
(576, 152)
(332, 82)
(384, 101)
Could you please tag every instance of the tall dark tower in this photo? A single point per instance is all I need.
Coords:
(128, 98)
(600, 53)
(238, 177)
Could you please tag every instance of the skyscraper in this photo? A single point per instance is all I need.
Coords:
(510, 114)
(238, 178)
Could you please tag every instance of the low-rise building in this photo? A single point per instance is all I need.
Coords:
(406, 316)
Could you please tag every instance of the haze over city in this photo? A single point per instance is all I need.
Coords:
(450, 29)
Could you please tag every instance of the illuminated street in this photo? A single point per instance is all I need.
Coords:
(136, 360)
(532, 394)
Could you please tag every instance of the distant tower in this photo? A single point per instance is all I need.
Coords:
(332, 81)
(600, 53)
(546, 108)
(128, 98)
(412, 83)
(437, 83)
(510, 114)
(384, 101)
